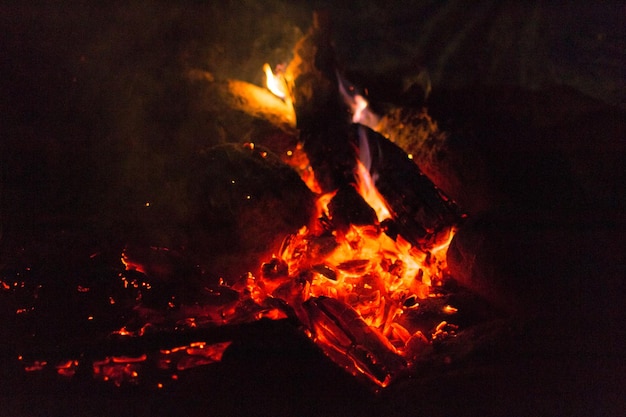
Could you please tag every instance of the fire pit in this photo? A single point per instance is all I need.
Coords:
(325, 239)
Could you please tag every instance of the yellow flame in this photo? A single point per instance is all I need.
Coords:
(321, 205)
(370, 194)
(274, 83)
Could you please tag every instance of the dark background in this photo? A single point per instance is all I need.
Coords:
(98, 119)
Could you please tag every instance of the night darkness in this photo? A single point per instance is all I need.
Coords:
(98, 119)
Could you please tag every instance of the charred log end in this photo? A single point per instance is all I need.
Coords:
(484, 257)
(349, 208)
(346, 338)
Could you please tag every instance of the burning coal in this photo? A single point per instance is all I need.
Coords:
(355, 278)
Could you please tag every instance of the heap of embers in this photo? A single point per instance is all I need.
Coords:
(375, 248)
(365, 279)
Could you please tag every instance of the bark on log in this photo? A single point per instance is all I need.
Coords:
(321, 116)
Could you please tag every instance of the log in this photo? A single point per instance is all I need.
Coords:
(246, 200)
(246, 112)
(348, 208)
(348, 340)
(421, 211)
(322, 117)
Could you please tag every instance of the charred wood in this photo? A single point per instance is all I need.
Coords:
(348, 207)
(345, 337)
(421, 211)
(321, 116)
(247, 200)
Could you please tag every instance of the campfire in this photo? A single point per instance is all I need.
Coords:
(363, 271)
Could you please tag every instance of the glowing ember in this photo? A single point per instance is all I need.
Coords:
(118, 370)
(121, 370)
(351, 288)
(194, 355)
(67, 368)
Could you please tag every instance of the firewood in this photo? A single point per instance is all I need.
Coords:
(421, 211)
(246, 112)
(321, 116)
(245, 200)
(347, 339)
(348, 208)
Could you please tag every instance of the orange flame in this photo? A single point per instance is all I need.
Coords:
(358, 109)
(369, 192)
(274, 83)
(377, 277)
(299, 161)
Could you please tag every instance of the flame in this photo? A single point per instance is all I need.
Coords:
(358, 104)
(366, 183)
(274, 83)
(377, 276)
(322, 203)
(369, 192)
(299, 161)
(343, 282)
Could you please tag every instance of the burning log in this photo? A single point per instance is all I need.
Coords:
(371, 253)
(446, 157)
(345, 337)
(421, 211)
(348, 208)
(234, 206)
(419, 208)
(321, 115)
(248, 199)
(248, 113)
